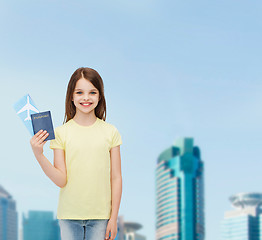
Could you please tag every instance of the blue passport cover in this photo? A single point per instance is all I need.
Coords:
(43, 121)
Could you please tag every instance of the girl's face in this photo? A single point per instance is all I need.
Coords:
(85, 96)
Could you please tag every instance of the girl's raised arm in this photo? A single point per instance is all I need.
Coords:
(56, 173)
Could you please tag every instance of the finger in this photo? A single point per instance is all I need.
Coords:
(38, 133)
(40, 137)
(107, 234)
(113, 235)
(39, 140)
(42, 140)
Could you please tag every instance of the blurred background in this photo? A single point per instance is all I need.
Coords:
(171, 70)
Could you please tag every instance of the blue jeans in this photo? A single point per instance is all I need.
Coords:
(93, 229)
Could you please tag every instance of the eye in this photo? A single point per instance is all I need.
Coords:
(93, 92)
(78, 92)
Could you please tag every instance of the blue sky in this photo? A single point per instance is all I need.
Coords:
(171, 69)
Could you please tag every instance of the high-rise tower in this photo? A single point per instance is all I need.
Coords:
(8, 216)
(40, 225)
(245, 222)
(180, 193)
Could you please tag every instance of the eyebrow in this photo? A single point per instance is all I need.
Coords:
(81, 89)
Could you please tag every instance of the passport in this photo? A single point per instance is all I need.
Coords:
(43, 120)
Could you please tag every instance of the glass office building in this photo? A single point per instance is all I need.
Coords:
(180, 193)
(245, 222)
(8, 216)
(40, 225)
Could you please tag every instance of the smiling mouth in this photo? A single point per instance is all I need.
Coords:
(86, 104)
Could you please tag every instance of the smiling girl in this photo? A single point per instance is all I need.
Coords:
(87, 162)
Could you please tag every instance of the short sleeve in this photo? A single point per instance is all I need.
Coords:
(116, 138)
(58, 141)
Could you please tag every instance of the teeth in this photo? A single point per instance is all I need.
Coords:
(86, 104)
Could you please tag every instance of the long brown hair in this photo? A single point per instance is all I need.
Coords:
(92, 76)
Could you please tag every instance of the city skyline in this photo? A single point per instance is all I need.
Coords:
(39, 224)
(170, 69)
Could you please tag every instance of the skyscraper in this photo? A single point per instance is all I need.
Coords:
(8, 216)
(180, 193)
(245, 222)
(40, 225)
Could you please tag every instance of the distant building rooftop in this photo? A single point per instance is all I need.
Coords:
(4, 193)
(132, 226)
(244, 200)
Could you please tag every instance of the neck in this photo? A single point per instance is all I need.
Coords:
(85, 119)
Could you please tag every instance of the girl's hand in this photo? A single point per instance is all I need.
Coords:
(38, 141)
(112, 228)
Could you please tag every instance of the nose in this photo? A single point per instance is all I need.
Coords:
(86, 96)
